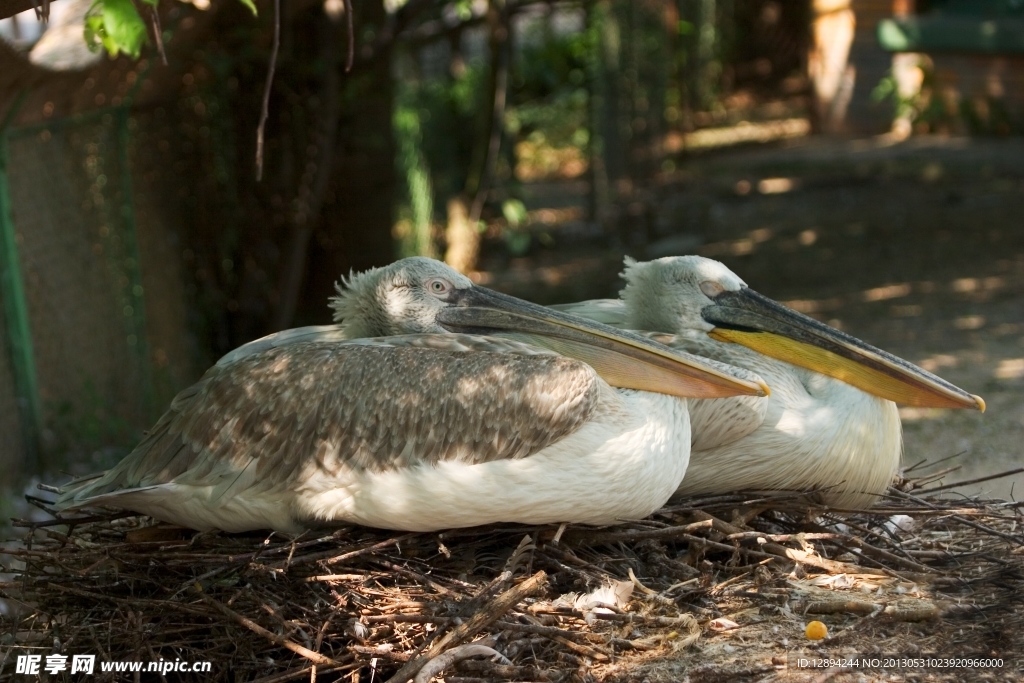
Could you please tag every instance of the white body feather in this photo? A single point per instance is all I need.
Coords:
(817, 433)
(416, 429)
(622, 465)
(813, 433)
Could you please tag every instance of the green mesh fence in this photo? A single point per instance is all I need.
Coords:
(69, 211)
(12, 444)
(19, 410)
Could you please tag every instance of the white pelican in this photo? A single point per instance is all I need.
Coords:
(431, 429)
(831, 420)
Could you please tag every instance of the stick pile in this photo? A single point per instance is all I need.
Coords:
(719, 588)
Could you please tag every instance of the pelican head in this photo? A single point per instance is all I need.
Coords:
(668, 294)
(420, 295)
(682, 294)
(402, 298)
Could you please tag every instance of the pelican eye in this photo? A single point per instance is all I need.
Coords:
(711, 289)
(438, 286)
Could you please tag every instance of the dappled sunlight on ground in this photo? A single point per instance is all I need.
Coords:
(1010, 368)
(917, 248)
(912, 414)
(744, 132)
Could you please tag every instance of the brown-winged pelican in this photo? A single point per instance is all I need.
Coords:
(831, 421)
(425, 425)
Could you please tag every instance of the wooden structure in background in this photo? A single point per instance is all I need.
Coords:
(973, 51)
(832, 75)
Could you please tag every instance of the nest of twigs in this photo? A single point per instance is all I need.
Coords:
(717, 589)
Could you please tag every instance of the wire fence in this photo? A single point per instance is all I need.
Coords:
(76, 352)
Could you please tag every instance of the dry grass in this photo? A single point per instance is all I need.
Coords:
(717, 589)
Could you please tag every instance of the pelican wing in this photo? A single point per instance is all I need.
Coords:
(285, 414)
(321, 333)
(336, 334)
(611, 312)
(718, 421)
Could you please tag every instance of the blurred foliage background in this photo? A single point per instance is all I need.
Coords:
(529, 143)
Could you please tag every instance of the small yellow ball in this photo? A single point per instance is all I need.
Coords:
(816, 630)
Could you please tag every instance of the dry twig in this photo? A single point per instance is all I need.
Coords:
(265, 109)
(381, 605)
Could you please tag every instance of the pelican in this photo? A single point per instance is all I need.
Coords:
(831, 420)
(406, 416)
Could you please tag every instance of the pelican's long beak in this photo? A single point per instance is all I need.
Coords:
(622, 359)
(766, 326)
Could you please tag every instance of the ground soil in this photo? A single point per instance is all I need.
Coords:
(916, 247)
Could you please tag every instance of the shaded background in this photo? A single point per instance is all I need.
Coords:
(859, 160)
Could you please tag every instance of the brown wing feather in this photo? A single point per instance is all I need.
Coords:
(372, 406)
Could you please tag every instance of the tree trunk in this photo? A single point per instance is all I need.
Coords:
(832, 76)
(464, 211)
(463, 238)
(602, 110)
(313, 185)
(357, 217)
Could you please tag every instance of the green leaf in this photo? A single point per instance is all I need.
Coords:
(885, 88)
(515, 212)
(93, 31)
(126, 32)
(151, 3)
(518, 243)
(464, 10)
(117, 25)
(251, 5)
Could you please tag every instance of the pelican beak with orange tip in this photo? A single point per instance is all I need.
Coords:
(623, 359)
(766, 326)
